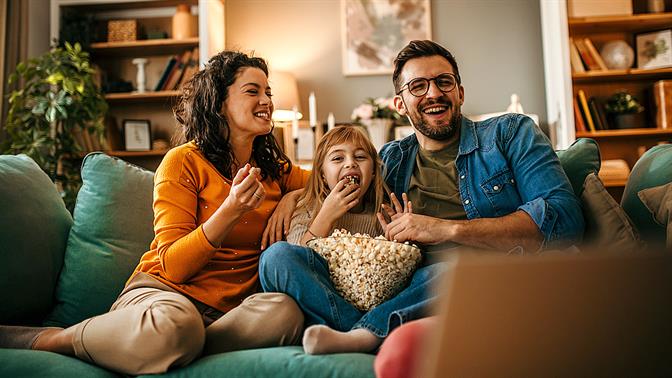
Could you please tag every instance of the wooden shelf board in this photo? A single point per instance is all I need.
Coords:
(625, 23)
(136, 153)
(629, 74)
(94, 5)
(624, 133)
(147, 96)
(145, 47)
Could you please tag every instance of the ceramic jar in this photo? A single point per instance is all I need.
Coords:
(184, 23)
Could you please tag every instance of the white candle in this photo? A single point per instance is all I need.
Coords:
(295, 123)
(312, 109)
(331, 121)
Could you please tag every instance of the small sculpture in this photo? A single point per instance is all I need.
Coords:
(140, 79)
(515, 106)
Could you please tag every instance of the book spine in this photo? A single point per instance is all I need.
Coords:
(586, 110)
(594, 114)
(585, 55)
(574, 58)
(578, 118)
(594, 54)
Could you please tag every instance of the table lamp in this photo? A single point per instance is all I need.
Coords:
(286, 103)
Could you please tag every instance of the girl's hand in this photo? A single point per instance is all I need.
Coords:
(246, 192)
(394, 213)
(339, 201)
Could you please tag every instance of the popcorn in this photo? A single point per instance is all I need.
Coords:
(367, 271)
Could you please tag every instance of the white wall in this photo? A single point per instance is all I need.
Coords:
(38, 27)
(497, 44)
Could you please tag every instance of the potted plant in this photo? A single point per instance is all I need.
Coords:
(623, 110)
(58, 97)
(377, 115)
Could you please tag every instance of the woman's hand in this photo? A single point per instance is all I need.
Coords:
(247, 192)
(278, 224)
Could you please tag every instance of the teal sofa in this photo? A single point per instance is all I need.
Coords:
(56, 269)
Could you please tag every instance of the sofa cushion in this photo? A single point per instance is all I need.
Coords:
(659, 202)
(607, 225)
(579, 160)
(652, 169)
(113, 227)
(34, 363)
(278, 362)
(34, 225)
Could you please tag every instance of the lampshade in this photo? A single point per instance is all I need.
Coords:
(285, 96)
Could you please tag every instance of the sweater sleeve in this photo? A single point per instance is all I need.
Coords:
(182, 247)
(298, 227)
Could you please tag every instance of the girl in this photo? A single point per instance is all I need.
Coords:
(194, 290)
(344, 155)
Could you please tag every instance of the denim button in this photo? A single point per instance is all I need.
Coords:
(512, 181)
(462, 177)
(495, 188)
(466, 202)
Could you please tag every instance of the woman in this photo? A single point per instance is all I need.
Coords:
(196, 289)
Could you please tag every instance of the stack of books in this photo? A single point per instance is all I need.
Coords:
(179, 70)
(589, 114)
(583, 56)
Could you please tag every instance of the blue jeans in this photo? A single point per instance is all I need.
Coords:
(304, 275)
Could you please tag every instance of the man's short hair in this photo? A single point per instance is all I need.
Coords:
(418, 49)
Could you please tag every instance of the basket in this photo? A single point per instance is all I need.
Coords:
(122, 30)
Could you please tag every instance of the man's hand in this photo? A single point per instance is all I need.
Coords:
(278, 224)
(418, 228)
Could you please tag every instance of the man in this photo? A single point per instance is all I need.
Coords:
(495, 184)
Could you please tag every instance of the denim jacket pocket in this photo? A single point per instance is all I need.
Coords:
(500, 190)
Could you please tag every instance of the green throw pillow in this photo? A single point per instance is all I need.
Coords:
(34, 225)
(579, 160)
(653, 169)
(113, 228)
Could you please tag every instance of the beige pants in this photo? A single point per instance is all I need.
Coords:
(151, 328)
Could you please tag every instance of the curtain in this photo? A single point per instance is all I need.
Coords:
(13, 48)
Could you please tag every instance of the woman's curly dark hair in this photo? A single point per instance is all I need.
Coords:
(198, 113)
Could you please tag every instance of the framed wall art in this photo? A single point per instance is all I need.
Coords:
(373, 32)
(654, 50)
(137, 135)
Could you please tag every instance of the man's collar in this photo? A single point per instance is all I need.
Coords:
(468, 137)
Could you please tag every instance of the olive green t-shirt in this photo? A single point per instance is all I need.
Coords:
(433, 189)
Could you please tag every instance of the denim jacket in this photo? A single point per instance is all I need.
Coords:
(504, 164)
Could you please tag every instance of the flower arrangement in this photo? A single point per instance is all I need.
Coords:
(380, 107)
(623, 103)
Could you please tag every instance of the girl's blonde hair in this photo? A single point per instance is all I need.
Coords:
(317, 190)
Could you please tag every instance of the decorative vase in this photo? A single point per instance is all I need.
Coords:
(184, 23)
(379, 131)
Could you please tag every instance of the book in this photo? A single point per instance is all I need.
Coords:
(166, 72)
(578, 118)
(586, 56)
(595, 54)
(662, 96)
(574, 58)
(191, 68)
(586, 111)
(593, 107)
(178, 70)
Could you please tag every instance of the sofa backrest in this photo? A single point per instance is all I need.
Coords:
(113, 227)
(34, 225)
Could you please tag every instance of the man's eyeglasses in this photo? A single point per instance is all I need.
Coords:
(419, 87)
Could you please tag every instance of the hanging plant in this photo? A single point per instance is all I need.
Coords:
(58, 97)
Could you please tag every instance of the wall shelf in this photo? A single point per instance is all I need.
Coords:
(145, 47)
(622, 75)
(607, 24)
(624, 133)
(146, 96)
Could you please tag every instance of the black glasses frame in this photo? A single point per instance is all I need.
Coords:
(428, 81)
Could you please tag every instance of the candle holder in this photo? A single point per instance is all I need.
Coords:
(296, 149)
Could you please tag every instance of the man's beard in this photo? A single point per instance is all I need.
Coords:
(440, 132)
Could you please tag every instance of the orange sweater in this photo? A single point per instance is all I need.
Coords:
(187, 191)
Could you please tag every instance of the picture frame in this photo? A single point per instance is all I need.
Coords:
(654, 49)
(373, 32)
(137, 134)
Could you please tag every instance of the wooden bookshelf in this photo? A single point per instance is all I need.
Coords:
(136, 153)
